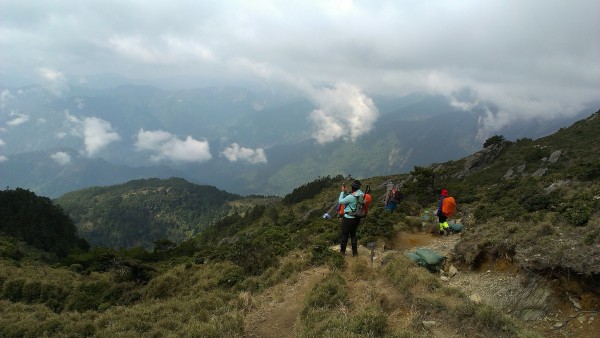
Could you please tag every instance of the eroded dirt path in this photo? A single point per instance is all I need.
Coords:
(277, 308)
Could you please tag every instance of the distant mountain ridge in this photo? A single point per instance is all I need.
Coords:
(411, 130)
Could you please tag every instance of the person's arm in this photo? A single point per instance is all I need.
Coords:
(346, 198)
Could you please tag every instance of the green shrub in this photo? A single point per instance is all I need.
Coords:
(330, 293)
(162, 286)
(591, 237)
(32, 291)
(370, 321)
(13, 290)
(496, 139)
(578, 213)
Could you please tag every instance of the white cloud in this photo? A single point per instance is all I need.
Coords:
(527, 59)
(3, 158)
(95, 132)
(236, 153)
(344, 112)
(61, 157)
(19, 119)
(166, 146)
(5, 96)
(54, 81)
(2, 143)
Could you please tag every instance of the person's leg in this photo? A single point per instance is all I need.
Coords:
(344, 232)
(442, 221)
(353, 238)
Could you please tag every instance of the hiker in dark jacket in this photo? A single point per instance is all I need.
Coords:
(443, 220)
(349, 222)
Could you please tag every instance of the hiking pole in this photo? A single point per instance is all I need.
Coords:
(371, 245)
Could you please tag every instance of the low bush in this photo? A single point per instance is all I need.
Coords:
(370, 321)
(330, 293)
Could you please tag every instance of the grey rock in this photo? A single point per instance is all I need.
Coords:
(540, 172)
(554, 156)
(508, 174)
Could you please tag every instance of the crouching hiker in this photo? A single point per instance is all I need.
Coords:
(350, 222)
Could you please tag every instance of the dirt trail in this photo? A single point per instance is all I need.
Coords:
(278, 307)
(499, 284)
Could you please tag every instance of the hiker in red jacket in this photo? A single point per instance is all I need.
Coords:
(443, 220)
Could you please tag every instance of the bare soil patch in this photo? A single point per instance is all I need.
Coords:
(543, 304)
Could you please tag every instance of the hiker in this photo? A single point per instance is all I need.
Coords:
(391, 200)
(443, 219)
(349, 222)
(367, 198)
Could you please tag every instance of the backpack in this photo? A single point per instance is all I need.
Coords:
(361, 208)
(398, 196)
(448, 206)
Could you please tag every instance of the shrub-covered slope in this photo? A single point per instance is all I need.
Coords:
(537, 201)
(37, 221)
(140, 212)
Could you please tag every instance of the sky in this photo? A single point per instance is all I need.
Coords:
(510, 59)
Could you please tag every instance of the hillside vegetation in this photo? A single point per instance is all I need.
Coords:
(535, 203)
(140, 212)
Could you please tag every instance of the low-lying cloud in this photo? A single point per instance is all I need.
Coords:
(236, 153)
(344, 112)
(166, 146)
(55, 81)
(61, 157)
(17, 119)
(96, 133)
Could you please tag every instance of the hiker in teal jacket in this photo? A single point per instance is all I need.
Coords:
(349, 222)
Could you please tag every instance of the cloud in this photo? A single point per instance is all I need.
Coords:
(344, 112)
(526, 59)
(166, 146)
(5, 96)
(19, 119)
(95, 132)
(61, 157)
(3, 158)
(166, 50)
(236, 153)
(54, 81)
(2, 143)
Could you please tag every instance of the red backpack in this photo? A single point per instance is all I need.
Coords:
(448, 206)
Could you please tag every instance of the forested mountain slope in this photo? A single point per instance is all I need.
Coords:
(140, 212)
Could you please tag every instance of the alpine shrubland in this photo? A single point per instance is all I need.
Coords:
(533, 202)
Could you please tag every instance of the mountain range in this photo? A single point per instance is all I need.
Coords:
(231, 137)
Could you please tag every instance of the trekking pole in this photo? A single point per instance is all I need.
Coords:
(371, 245)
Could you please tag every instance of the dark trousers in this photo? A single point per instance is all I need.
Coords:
(348, 229)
